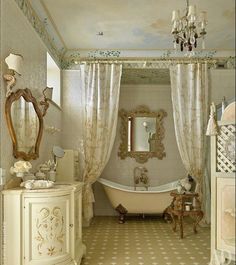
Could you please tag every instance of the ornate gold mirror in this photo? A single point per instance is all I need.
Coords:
(142, 132)
(25, 124)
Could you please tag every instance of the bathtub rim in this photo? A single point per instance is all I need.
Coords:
(171, 187)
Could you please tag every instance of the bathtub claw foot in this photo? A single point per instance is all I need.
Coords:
(122, 213)
(166, 215)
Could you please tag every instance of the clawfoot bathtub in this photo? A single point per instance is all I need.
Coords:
(127, 200)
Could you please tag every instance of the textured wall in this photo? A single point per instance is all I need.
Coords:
(71, 105)
(17, 36)
(155, 97)
(222, 84)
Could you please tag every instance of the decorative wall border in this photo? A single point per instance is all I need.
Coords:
(39, 27)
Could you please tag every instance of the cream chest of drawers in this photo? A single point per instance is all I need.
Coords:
(43, 227)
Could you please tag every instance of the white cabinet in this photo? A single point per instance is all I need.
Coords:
(223, 195)
(225, 215)
(43, 227)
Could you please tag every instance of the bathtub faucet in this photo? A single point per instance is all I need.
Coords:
(140, 176)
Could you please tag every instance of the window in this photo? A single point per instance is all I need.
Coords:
(54, 79)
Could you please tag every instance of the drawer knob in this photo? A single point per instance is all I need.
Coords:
(71, 225)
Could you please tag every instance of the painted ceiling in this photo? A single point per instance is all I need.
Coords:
(130, 25)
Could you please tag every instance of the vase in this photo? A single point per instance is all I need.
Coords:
(187, 186)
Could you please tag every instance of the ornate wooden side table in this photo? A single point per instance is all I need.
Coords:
(182, 205)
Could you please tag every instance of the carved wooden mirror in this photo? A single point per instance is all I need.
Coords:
(142, 132)
(25, 124)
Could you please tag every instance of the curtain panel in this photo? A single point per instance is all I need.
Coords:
(100, 91)
(189, 91)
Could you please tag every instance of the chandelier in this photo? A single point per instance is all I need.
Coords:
(189, 28)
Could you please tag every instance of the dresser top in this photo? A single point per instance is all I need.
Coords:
(58, 186)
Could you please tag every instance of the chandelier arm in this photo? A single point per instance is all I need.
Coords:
(187, 3)
(181, 38)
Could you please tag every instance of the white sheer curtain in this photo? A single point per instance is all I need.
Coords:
(100, 90)
(189, 86)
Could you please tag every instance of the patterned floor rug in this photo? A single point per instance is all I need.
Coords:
(148, 241)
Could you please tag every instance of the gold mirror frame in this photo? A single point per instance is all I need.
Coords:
(141, 156)
(28, 97)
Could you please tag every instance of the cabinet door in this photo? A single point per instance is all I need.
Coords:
(47, 230)
(226, 214)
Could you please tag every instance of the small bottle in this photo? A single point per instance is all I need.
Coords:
(52, 175)
(187, 207)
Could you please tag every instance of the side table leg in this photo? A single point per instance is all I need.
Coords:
(180, 218)
(174, 222)
(197, 220)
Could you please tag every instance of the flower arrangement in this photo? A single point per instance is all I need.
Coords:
(20, 167)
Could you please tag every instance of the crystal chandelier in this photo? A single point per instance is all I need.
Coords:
(189, 28)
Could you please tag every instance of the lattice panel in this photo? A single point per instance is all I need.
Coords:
(225, 149)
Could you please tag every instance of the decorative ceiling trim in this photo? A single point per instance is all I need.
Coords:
(53, 24)
(148, 59)
(39, 27)
(157, 53)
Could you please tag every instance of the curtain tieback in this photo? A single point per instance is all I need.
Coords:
(212, 127)
(88, 196)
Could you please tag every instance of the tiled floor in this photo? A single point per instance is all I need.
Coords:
(148, 241)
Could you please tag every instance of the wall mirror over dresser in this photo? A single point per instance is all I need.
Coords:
(25, 124)
(142, 132)
(24, 114)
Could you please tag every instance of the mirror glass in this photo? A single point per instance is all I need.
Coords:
(58, 151)
(25, 124)
(142, 132)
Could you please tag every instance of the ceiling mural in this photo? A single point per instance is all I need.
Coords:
(135, 25)
(75, 29)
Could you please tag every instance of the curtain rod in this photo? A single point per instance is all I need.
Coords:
(146, 60)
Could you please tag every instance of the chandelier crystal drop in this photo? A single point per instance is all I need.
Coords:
(188, 29)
